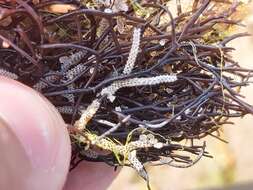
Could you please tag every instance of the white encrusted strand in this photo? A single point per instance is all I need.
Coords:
(134, 161)
(68, 61)
(114, 87)
(65, 109)
(87, 114)
(70, 74)
(133, 51)
(89, 153)
(70, 97)
(8, 74)
(41, 84)
(146, 141)
(137, 165)
(68, 110)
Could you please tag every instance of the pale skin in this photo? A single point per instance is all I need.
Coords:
(35, 146)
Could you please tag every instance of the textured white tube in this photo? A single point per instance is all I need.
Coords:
(8, 74)
(133, 51)
(114, 87)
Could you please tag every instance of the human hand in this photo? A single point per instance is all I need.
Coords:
(35, 146)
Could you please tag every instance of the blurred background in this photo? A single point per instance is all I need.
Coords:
(232, 165)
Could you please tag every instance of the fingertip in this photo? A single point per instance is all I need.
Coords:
(41, 131)
(14, 163)
(90, 175)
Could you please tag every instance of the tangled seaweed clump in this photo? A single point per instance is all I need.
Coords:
(132, 79)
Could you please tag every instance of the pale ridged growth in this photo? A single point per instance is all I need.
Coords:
(114, 87)
(70, 97)
(65, 110)
(87, 114)
(68, 61)
(146, 141)
(41, 85)
(136, 164)
(89, 153)
(70, 74)
(8, 74)
(68, 110)
(133, 51)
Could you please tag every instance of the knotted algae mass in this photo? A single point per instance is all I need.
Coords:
(132, 79)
